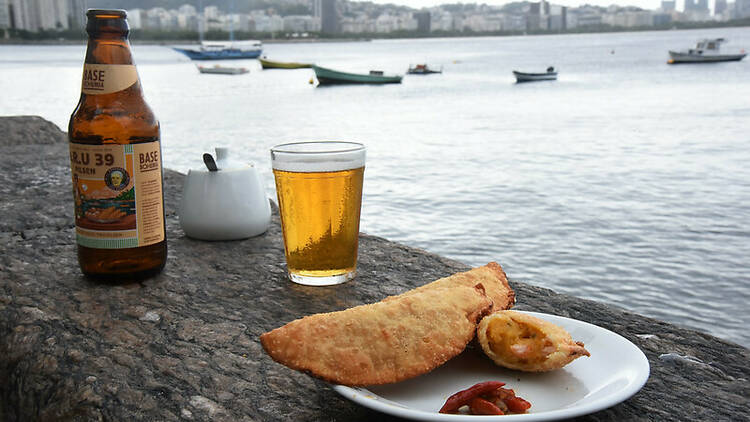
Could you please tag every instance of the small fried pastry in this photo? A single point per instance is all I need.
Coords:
(388, 341)
(520, 341)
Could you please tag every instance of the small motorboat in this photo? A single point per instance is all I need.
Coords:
(549, 75)
(705, 51)
(422, 69)
(327, 76)
(222, 70)
(272, 64)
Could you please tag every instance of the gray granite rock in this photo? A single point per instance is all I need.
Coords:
(19, 130)
(184, 345)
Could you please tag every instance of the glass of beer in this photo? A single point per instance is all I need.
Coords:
(319, 188)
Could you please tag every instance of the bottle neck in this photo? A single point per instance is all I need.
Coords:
(109, 70)
(109, 49)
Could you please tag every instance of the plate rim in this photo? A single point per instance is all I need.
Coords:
(378, 403)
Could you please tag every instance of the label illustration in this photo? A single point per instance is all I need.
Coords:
(107, 78)
(117, 191)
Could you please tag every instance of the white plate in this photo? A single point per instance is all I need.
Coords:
(616, 370)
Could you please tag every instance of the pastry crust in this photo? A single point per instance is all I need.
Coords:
(520, 341)
(491, 276)
(389, 341)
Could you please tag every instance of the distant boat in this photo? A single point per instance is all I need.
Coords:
(327, 76)
(221, 50)
(422, 69)
(705, 51)
(271, 64)
(224, 50)
(222, 70)
(549, 75)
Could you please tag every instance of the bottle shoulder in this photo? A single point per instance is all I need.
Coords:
(123, 117)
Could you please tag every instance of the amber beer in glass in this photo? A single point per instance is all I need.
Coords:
(319, 188)
(115, 158)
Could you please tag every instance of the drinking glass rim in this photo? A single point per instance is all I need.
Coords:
(354, 147)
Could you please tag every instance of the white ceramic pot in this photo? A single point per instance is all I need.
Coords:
(226, 204)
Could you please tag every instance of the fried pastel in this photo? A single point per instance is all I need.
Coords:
(384, 342)
(520, 341)
(491, 276)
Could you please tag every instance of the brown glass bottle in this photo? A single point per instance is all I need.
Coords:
(115, 155)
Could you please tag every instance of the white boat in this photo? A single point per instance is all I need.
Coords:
(222, 50)
(549, 75)
(222, 70)
(705, 51)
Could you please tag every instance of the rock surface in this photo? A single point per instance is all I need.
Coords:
(184, 345)
(34, 130)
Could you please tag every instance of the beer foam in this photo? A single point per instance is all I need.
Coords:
(309, 157)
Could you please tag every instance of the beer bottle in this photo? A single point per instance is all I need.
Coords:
(115, 158)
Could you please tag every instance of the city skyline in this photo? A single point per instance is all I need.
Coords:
(344, 17)
(644, 4)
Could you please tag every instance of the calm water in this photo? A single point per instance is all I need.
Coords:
(625, 181)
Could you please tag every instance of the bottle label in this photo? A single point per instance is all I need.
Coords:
(118, 195)
(107, 78)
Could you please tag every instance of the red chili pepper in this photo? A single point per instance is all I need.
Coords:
(463, 397)
(502, 393)
(480, 406)
(517, 404)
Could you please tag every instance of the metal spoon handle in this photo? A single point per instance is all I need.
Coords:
(210, 162)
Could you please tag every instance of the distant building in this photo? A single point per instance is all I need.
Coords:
(668, 5)
(514, 23)
(742, 8)
(697, 10)
(159, 18)
(533, 17)
(265, 23)
(136, 18)
(76, 13)
(662, 19)
(638, 19)
(211, 12)
(329, 16)
(696, 6)
(36, 15)
(298, 23)
(4, 14)
(719, 7)
(358, 25)
(423, 21)
(557, 18)
(589, 19)
(544, 7)
(443, 21)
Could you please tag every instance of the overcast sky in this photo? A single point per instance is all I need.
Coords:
(645, 4)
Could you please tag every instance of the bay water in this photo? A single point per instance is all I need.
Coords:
(625, 181)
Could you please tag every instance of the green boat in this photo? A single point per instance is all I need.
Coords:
(331, 77)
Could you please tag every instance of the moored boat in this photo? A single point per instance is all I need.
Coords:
(273, 64)
(549, 75)
(705, 51)
(224, 50)
(222, 70)
(422, 69)
(327, 76)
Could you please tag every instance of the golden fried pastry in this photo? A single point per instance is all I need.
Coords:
(491, 276)
(520, 341)
(384, 342)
